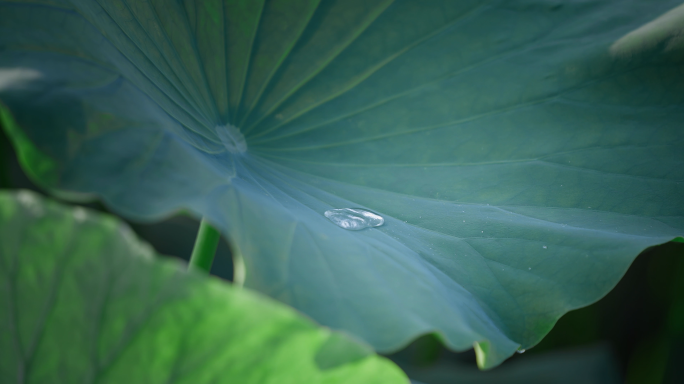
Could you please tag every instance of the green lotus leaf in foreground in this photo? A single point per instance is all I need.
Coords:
(84, 301)
(522, 153)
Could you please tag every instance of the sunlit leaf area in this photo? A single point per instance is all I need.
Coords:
(341, 191)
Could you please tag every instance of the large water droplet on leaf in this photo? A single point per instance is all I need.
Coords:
(354, 219)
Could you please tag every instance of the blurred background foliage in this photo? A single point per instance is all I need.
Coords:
(630, 336)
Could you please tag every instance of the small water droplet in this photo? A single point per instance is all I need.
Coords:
(80, 214)
(26, 198)
(464, 221)
(544, 247)
(354, 219)
(521, 350)
(31, 202)
(529, 269)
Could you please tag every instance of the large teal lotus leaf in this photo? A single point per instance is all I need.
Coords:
(520, 154)
(84, 301)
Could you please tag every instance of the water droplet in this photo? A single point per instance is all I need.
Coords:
(80, 214)
(529, 269)
(521, 350)
(544, 247)
(31, 202)
(232, 138)
(354, 219)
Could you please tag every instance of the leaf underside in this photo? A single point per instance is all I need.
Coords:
(519, 164)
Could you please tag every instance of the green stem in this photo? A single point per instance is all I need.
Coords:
(205, 248)
(239, 269)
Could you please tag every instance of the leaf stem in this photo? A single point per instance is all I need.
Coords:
(239, 269)
(205, 248)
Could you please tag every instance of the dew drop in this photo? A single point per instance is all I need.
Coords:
(79, 214)
(544, 247)
(31, 202)
(26, 198)
(521, 350)
(354, 219)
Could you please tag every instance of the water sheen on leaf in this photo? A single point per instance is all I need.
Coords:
(84, 301)
(518, 163)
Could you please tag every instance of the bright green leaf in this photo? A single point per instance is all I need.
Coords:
(82, 300)
(520, 163)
